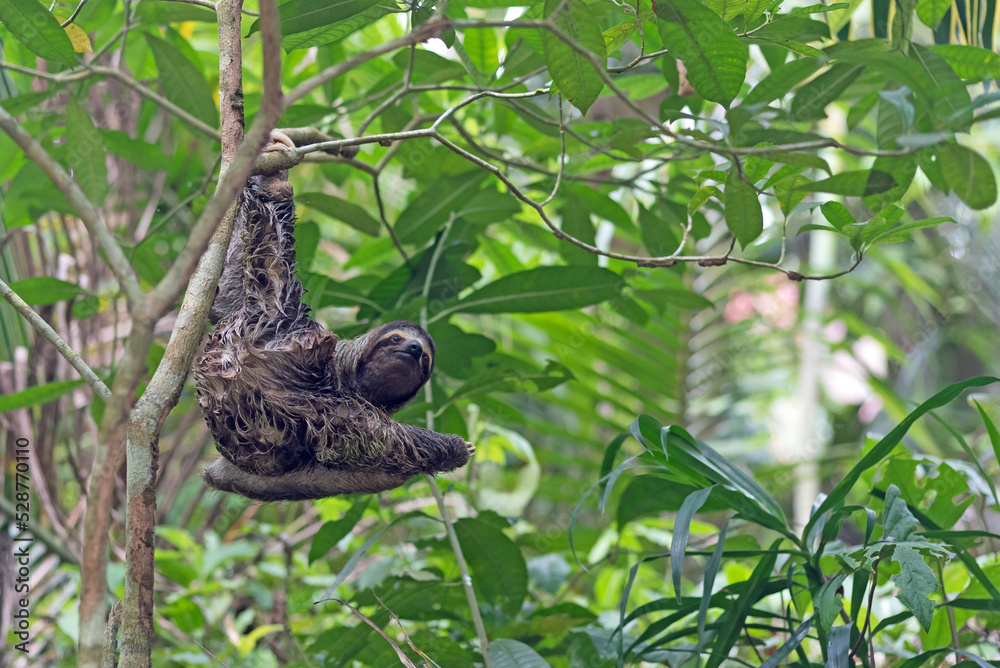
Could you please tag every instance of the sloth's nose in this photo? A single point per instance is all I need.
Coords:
(414, 348)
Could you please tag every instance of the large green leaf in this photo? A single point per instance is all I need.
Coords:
(347, 212)
(930, 12)
(37, 29)
(432, 207)
(85, 153)
(481, 46)
(182, 81)
(507, 653)
(744, 217)
(40, 394)
(543, 289)
(572, 72)
(715, 59)
(141, 154)
(499, 573)
(331, 532)
(355, 14)
(970, 62)
(810, 100)
(968, 174)
(42, 290)
(781, 80)
(855, 183)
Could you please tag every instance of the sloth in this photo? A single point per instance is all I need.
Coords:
(295, 412)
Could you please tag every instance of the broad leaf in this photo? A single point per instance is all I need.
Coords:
(347, 212)
(85, 153)
(42, 290)
(499, 573)
(37, 29)
(332, 532)
(39, 394)
(968, 174)
(572, 72)
(507, 653)
(715, 59)
(744, 217)
(182, 81)
(432, 207)
(543, 289)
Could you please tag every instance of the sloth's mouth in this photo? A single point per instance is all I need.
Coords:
(410, 356)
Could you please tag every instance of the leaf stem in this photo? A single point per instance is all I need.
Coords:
(463, 569)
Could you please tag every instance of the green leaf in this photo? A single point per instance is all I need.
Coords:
(543, 289)
(499, 573)
(744, 217)
(727, 9)
(182, 81)
(930, 12)
(86, 307)
(901, 169)
(40, 394)
(970, 62)
(882, 449)
(682, 529)
(915, 580)
(332, 532)
(481, 46)
(342, 210)
(507, 653)
(968, 174)
(572, 72)
(306, 23)
(141, 154)
(797, 48)
(780, 81)
(42, 290)
(855, 183)
(793, 641)
(991, 431)
(432, 207)
(37, 29)
(715, 59)
(730, 624)
(837, 214)
(828, 602)
(489, 206)
(85, 153)
(811, 100)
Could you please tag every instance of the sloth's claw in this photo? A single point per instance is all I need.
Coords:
(279, 142)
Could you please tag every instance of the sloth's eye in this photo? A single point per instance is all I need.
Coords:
(396, 338)
(427, 359)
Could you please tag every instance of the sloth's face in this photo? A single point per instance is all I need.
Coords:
(397, 365)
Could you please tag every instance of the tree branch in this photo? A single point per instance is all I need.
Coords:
(50, 334)
(164, 388)
(88, 71)
(65, 184)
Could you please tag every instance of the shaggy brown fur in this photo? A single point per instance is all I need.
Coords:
(296, 413)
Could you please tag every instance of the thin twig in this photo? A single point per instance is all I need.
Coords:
(50, 334)
(87, 71)
(72, 17)
(208, 4)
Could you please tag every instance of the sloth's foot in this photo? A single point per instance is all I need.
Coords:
(279, 142)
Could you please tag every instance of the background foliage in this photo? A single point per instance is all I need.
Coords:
(778, 139)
